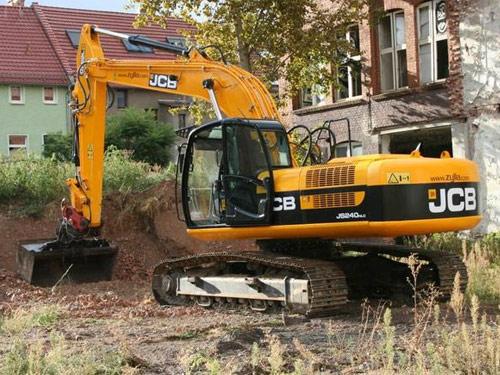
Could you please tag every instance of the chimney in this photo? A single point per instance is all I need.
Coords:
(16, 3)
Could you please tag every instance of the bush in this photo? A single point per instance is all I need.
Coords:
(138, 131)
(32, 182)
(123, 174)
(58, 146)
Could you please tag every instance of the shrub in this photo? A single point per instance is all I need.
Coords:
(59, 146)
(32, 182)
(138, 131)
(125, 175)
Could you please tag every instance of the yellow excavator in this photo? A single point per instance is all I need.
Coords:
(239, 178)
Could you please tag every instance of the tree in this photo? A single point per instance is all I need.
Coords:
(295, 39)
(58, 145)
(138, 130)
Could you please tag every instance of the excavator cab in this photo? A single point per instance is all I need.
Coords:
(227, 177)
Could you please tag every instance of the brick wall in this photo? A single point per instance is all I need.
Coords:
(416, 104)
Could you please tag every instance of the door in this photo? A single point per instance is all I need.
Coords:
(201, 177)
(248, 179)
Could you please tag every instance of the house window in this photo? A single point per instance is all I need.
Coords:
(18, 144)
(16, 95)
(136, 47)
(121, 98)
(349, 74)
(392, 43)
(49, 94)
(74, 37)
(432, 41)
(342, 149)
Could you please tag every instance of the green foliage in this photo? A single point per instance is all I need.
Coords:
(32, 182)
(28, 185)
(121, 173)
(296, 40)
(138, 130)
(59, 146)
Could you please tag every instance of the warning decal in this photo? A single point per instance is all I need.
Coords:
(398, 178)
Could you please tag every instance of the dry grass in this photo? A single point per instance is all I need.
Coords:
(36, 348)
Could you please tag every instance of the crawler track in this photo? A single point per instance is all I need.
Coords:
(327, 276)
(327, 284)
(445, 265)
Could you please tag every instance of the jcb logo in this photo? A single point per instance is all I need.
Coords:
(163, 81)
(284, 204)
(455, 199)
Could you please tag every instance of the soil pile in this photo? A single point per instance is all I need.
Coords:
(143, 225)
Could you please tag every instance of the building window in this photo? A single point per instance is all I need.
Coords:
(179, 41)
(49, 95)
(349, 74)
(432, 41)
(121, 98)
(182, 120)
(16, 95)
(342, 149)
(74, 37)
(392, 43)
(18, 145)
(315, 95)
(136, 47)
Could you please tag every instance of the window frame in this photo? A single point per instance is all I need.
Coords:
(433, 38)
(393, 50)
(125, 98)
(356, 58)
(25, 146)
(21, 93)
(71, 33)
(54, 100)
(346, 145)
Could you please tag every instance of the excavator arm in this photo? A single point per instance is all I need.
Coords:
(232, 91)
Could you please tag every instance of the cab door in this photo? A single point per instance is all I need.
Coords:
(247, 177)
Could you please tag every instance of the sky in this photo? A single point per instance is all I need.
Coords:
(114, 5)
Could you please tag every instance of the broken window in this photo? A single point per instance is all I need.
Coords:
(432, 141)
(433, 42)
(392, 43)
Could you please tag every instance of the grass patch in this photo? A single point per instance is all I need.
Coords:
(34, 181)
(481, 256)
(54, 358)
(21, 320)
(31, 352)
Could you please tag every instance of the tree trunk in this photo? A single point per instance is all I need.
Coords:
(243, 50)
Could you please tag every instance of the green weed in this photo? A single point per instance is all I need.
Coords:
(21, 320)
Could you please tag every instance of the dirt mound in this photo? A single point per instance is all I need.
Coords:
(144, 226)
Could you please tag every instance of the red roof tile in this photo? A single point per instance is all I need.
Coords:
(26, 55)
(58, 20)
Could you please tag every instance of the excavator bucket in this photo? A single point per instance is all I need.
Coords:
(45, 263)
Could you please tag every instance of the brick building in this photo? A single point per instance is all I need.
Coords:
(408, 82)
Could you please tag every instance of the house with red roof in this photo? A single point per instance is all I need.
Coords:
(38, 46)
